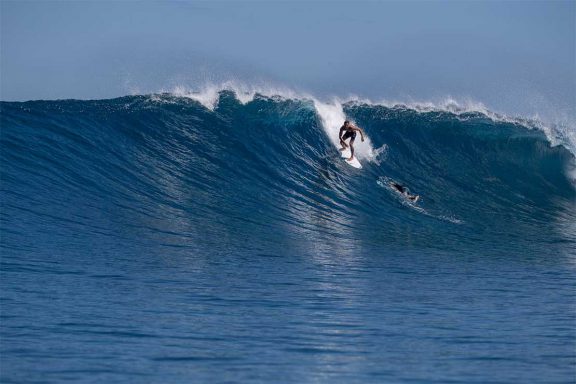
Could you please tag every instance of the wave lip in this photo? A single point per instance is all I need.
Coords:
(559, 133)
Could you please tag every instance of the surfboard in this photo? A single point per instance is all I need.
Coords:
(354, 162)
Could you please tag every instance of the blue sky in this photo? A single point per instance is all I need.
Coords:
(515, 56)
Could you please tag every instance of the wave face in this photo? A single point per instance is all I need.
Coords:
(147, 167)
(159, 239)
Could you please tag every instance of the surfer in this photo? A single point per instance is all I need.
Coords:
(350, 130)
(403, 190)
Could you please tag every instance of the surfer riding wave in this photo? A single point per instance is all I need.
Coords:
(349, 131)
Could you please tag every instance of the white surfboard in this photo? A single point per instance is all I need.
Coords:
(354, 162)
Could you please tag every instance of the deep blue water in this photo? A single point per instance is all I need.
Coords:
(150, 239)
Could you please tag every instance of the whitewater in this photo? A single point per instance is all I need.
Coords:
(562, 132)
(216, 235)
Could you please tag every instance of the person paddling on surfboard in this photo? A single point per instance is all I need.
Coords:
(403, 190)
(350, 130)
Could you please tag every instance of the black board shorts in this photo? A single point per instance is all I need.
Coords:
(348, 134)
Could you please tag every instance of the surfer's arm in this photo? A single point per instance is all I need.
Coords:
(361, 132)
(342, 129)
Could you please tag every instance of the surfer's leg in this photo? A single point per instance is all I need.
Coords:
(343, 139)
(351, 149)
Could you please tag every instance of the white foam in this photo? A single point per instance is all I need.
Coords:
(380, 154)
(208, 95)
(561, 133)
(332, 115)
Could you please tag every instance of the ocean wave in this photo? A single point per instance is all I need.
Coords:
(558, 133)
(203, 169)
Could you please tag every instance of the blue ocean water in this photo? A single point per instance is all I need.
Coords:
(153, 239)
